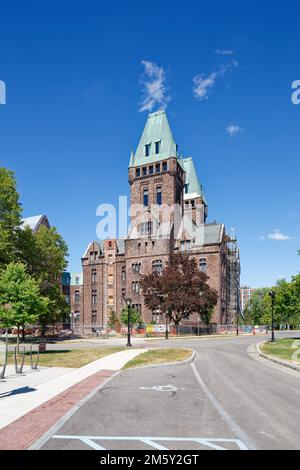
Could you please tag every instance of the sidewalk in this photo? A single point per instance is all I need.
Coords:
(34, 401)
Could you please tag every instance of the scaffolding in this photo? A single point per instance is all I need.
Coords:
(233, 278)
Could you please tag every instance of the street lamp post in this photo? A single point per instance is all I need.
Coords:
(272, 294)
(128, 301)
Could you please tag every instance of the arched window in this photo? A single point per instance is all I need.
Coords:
(157, 266)
(77, 297)
(94, 276)
(203, 265)
(123, 273)
(158, 196)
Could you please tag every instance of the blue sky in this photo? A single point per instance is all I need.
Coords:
(73, 76)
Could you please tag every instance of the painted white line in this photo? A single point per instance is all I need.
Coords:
(153, 444)
(161, 388)
(235, 428)
(153, 441)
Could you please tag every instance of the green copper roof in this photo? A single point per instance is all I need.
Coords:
(193, 185)
(157, 129)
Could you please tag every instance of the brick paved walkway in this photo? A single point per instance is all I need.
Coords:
(23, 432)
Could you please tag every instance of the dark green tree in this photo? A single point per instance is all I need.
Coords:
(21, 302)
(10, 216)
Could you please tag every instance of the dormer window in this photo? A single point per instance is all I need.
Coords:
(138, 172)
(157, 147)
(147, 150)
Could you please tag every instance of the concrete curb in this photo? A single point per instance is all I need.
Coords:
(165, 364)
(276, 361)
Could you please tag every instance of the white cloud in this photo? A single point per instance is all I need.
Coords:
(233, 129)
(224, 51)
(153, 85)
(277, 235)
(203, 84)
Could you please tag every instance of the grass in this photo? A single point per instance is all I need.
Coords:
(68, 358)
(158, 356)
(283, 349)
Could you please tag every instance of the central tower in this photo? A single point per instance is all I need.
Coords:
(156, 174)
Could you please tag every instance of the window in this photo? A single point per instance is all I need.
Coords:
(77, 297)
(151, 170)
(123, 273)
(157, 266)
(94, 276)
(158, 196)
(138, 172)
(186, 188)
(203, 265)
(165, 166)
(93, 255)
(136, 267)
(157, 147)
(110, 300)
(135, 287)
(188, 245)
(146, 228)
(144, 171)
(157, 168)
(110, 259)
(123, 292)
(110, 279)
(147, 150)
(182, 246)
(94, 317)
(94, 297)
(145, 197)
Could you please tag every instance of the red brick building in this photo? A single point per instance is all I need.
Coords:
(161, 183)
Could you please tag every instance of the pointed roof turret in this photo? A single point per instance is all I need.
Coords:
(157, 142)
(193, 186)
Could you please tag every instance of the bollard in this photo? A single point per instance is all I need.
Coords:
(19, 369)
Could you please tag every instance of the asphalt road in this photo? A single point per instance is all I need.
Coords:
(227, 398)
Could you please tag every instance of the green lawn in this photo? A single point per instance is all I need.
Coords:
(283, 349)
(159, 356)
(69, 357)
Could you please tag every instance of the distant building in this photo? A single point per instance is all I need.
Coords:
(158, 176)
(245, 295)
(35, 222)
(76, 300)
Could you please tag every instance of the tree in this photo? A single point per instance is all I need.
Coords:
(180, 290)
(45, 254)
(10, 216)
(258, 309)
(135, 316)
(21, 301)
(113, 321)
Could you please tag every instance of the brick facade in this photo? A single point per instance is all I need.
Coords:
(112, 268)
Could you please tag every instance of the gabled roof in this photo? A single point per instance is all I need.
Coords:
(213, 233)
(193, 185)
(35, 222)
(157, 129)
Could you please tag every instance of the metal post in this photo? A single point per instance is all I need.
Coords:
(167, 330)
(129, 345)
(272, 294)
(237, 323)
